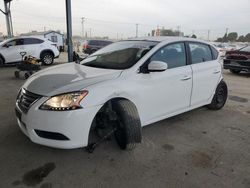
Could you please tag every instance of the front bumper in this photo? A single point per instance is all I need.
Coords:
(74, 125)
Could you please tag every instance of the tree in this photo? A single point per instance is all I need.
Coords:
(219, 40)
(232, 36)
(194, 36)
(247, 38)
(224, 39)
(241, 38)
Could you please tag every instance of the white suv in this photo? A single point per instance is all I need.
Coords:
(38, 47)
(119, 89)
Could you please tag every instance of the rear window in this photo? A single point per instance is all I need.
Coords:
(214, 52)
(99, 42)
(93, 42)
(28, 41)
(200, 53)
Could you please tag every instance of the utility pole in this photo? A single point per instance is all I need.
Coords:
(7, 14)
(90, 32)
(69, 30)
(136, 30)
(208, 34)
(178, 29)
(83, 19)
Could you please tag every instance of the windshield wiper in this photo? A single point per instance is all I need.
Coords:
(96, 66)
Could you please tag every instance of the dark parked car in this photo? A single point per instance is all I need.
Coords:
(90, 46)
(238, 60)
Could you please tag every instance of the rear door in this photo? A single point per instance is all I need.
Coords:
(32, 46)
(206, 72)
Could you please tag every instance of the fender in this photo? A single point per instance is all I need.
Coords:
(46, 50)
(107, 94)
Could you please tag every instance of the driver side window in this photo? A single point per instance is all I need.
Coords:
(173, 54)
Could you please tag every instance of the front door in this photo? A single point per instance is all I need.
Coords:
(11, 51)
(164, 93)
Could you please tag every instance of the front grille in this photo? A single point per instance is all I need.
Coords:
(236, 62)
(235, 57)
(25, 99)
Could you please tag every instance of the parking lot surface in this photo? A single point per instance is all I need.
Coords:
(200, 148)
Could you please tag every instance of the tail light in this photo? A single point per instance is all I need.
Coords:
(85, 46)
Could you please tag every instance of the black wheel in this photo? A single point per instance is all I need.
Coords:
(47, 58)
(1, 62)
(128, 125)
(27, 75)
(17, 74)
(92, 51)
(234, 71)
(220, 97)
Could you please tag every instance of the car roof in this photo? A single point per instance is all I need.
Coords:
(166, 39)
(21, 37)
(99, 40)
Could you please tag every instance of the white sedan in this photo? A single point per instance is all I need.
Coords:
(119, 89)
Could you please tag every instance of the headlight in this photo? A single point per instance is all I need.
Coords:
(67, 101)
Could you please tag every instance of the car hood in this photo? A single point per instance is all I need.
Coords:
(66, 78)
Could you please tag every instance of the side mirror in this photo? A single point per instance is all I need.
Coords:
(157, 66)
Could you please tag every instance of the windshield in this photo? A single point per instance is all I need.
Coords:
(245, 49)
(120, 55)
(5, 41)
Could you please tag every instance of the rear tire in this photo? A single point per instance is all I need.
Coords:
(220, 97)
(47, 58)
(92, 51)
(1, 62)
(128, 125)
(234, 71)
(17, 74)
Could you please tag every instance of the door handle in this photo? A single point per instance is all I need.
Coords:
(216, 71)
(186, 78)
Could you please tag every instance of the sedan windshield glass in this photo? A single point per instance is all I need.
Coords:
(119, 55)
(245, 49)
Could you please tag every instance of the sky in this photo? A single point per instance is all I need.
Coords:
(118, 19)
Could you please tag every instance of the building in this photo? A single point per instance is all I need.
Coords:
(54, 36)
(166, 32)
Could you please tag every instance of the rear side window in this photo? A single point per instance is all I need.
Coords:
(200, 53)
(214, 52)
(173, 54)
(19, 42)
(93, 42)
(28, 41)
(105, 43)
